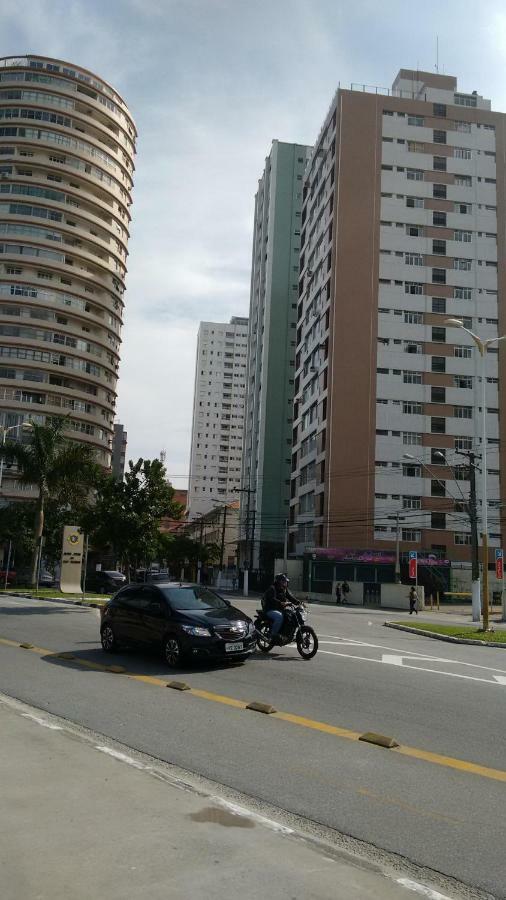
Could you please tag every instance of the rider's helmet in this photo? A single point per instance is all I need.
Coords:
(281, 579)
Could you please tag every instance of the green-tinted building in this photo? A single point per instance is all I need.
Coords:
(266, 461)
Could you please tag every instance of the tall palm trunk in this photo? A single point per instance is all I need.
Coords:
(38, 528)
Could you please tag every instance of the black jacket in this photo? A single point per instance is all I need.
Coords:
(275, 596)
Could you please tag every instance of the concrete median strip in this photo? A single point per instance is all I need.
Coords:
(459, 765)
(449, 638)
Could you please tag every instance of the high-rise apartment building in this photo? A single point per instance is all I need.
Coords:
(404, 200)
(266, 462)
(218, 415)
(67, 146)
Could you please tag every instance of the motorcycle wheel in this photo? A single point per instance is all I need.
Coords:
(264, 640)
(307, 642)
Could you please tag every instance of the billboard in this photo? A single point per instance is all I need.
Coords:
(372, 557)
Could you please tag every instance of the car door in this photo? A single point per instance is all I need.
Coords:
(154, 615)
(131, 606)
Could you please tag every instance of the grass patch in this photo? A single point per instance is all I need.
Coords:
(54, 592)
(460, 631)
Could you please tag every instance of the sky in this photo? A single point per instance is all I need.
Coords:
(210, 84)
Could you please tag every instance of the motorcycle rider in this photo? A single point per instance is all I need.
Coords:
(274, 602)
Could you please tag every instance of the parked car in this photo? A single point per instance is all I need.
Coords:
(106, 582)
(183, 620)
(46, 579)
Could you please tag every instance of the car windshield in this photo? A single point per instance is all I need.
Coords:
(193, 598)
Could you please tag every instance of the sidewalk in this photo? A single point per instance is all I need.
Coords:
(80, 820)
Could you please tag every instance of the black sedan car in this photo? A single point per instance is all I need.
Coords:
(184, 620)
(105, 582)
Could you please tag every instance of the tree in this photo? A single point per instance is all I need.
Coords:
(127, 514)
(16, 525)
(59, 468)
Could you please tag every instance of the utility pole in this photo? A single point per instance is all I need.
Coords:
(285, 548)
(398, 518)
(472, 510)
(223, 535)
(199, 561)
(248, 553)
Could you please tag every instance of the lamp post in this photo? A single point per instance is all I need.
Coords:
(482, 347)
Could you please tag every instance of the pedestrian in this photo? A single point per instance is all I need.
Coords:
(338, 593)
(413, 600)
(346, 590)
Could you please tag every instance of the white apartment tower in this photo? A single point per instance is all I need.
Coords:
(218, 415)
(403, 223)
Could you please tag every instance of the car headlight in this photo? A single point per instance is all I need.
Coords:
(196, 630)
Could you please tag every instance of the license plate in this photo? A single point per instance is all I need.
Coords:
(233, 648)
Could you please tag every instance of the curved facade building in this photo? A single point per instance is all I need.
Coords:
(67, 146)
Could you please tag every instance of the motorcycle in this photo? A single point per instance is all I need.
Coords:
(293, 629)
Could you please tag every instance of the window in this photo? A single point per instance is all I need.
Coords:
(438, 218)
(463, 265)
(463, 293)
(439, 109)
(412, 377)
(410, 534)
(413, 318)
(439, 163)
(416, 202)
(439, 137)
(411, 438)
(415, 120)
(413, 287)
(413, 259)
(465, 236)
(439, 248)
(412, 409)
(414, 174)
(438, 363)
(439, 276)
(411, 502)
(463, 208)
(411, 470)
(438, 520)
(463, 443)
(439, 334)
(462, 153)
(439, 304)
(463, 352)
(463, 412)
(438, 425)
(463, 180)
(437, 488)
(439, 191)
(438, 395)
(462, 538)
(463, 381)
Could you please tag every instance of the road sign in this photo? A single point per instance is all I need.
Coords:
(413, 563)
(499, 564)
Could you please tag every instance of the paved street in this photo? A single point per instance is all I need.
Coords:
(437, 801)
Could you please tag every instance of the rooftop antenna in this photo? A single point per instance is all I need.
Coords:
(437, 53)
(163, 456)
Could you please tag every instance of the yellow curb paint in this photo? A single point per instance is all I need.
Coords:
(449, 762)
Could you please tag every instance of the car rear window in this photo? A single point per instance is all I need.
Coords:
(193, 598)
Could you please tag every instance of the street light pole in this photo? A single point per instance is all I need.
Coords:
(482, 347)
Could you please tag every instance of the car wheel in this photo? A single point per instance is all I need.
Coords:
(172, 651)
(108, 639)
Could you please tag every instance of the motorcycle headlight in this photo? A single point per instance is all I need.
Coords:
(251, 628)
(196, 630)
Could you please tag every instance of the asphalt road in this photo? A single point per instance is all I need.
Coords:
(439, 801)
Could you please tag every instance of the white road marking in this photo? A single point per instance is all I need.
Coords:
(414, 668)
(500, 678)
(421, 889)
(414, 654)
(42, 722)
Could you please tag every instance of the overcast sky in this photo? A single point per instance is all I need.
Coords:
(210, 84)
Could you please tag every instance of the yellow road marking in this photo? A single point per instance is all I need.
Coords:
(449, 762)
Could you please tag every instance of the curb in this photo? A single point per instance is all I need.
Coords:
(443, 637)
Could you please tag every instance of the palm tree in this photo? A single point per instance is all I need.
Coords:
(57, 466)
